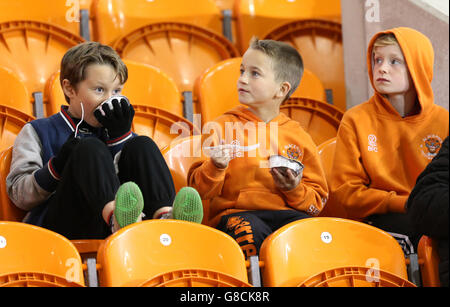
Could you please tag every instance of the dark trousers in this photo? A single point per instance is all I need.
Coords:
(89, 181)
(250, 228)
(400, 226)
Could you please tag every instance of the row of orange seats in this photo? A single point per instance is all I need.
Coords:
(323, 252)
(181, 42)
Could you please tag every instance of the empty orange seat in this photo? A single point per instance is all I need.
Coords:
(216, 88)
(259, 17)
(183, 51)
(64, 14)
(34, 256)
(320, 44)
(113, 18)
(14, 92)
(306, 248)
(33, 51)
(320, 119)
(171, 253)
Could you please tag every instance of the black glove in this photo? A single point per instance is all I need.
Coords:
(118, 120)
(59, 161)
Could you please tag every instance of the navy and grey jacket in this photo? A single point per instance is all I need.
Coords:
(31, 179)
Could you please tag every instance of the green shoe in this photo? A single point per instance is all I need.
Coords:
(188, 206)
(129, 204)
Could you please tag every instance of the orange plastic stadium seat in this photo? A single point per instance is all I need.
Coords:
(326, 153)
(429, 262)
(216, 88)
(181, 50)
(320, 119)
(8, 211)
(256, 18)
(11, 122)
(162, 126)
(14, 92)
(180, 156)
(146, 85)
(324, 251)
(113, 18)
(64, 14)
(171, 253)
(33, 51)
(320, 44)
(32, 256)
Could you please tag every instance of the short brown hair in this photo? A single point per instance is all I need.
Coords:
(79, 57)
(287, 62)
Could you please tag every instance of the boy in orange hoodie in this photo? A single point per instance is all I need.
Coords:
(249, 200)
(385, 143)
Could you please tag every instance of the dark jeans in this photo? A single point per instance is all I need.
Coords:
(89, 181)
(250, 228)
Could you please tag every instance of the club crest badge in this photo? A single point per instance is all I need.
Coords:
(430, 146)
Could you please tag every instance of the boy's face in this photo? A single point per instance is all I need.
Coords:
(101, 83)
(390, 72)
(257, 85)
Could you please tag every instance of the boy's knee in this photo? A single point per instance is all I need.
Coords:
(141, 142)
(89, 147)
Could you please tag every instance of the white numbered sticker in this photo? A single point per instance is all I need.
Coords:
(2, 242)
(326, 237)
(165, 239)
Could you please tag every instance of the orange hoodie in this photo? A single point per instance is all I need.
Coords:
(246, 184)
(379, 154)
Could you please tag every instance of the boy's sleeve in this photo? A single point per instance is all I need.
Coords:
(350, 184)
(26, 166)
(311, 193)
(203, 175)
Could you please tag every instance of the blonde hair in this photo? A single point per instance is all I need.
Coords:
(287, 62)
(384, 40)
(79, 57)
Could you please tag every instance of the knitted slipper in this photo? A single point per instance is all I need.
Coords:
(129, 204)
(188, 206)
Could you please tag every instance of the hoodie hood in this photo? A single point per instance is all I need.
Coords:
(419, 56)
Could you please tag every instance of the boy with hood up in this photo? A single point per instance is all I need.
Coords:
(385, 143)
(247, 200)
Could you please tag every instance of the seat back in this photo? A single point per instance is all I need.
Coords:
(32, 255)
(64, 14)
(8, 211)
(256, 18)
(320, 44)
(11, 122)
(180, 155)
(33, 51)
(113, 18)
(146, 85)
(183, 51)
(429, 262)
(307, 247)
(326, 152)
(216, 88)
(14, 92)
(162, 126)
(142, 251)
(320, 119)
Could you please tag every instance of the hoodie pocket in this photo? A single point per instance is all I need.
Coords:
(259, 199)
